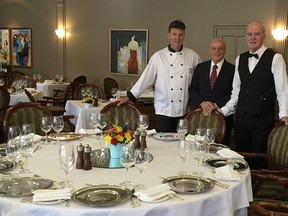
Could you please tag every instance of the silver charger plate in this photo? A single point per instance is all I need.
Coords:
(64, 136)
(5, 165)
(216, 146)
(101, 158)
(166, 136)
(101, 195)
(189, 184)
(20, 187)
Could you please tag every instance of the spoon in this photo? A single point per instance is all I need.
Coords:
(20, 162)
(37, 148)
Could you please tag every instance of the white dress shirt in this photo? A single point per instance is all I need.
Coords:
(278, 69)
(171, 73)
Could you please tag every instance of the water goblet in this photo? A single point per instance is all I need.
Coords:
(209, 138)
(58, 125)
(182, 127)
(66, 159)
(13, 148)
(114, 92)
(83, 92)
(143, 122)
(93, 121)
(199, 148)
(27, 136)
(127, 159)
(141, 163)
(184, 151)
(101, 122)
(46, 125)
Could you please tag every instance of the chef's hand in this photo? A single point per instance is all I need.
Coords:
(207, 107)
(285, 119)
(122, 100)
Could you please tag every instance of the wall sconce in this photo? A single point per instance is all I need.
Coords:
(280, 34)
(60, 33)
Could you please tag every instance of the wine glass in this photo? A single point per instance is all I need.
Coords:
(114, 92)
(27, 136)
(182, 127)
(127, 159)
(143, 122)
(199, 148)
(93, 121)
(209, 138)
(46, 125)
(141, 163)
(58, 125)
(101, 121)
(66, 159)
(184, 151)
(13, 148)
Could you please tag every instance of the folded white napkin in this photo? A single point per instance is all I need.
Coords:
(151, 132)
(89, 131)
(154, 193)
(228, 153)
(190, 137)
(50, 194)
(226, 173)
(37, 138)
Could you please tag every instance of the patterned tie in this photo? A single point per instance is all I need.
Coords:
(213, 76)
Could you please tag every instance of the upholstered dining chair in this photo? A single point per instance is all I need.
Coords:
(26, 112)
(4, 103)
(108, 84)
(15, 74)
(215, 120)
(91, 88)
(268, 208)
(29, 82)
(76, 82)
(125, 114)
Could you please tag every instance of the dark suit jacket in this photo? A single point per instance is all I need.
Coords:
(199, 89)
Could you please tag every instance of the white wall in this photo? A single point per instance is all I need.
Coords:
(89, 21)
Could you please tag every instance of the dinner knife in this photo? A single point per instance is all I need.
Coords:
(219, 183)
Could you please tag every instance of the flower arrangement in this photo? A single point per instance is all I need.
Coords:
(88, 100)
(118, 134)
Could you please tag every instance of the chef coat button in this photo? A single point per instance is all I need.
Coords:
(171, 65)
(181, 76)
(171, 77)
(171, 89)
(171, 101)
(181, 89)
(180, 53)
(170, 54)
(181, 64)
(180, 101)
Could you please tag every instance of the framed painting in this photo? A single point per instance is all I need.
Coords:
(21, 47)
(128, 51)
(5, 56)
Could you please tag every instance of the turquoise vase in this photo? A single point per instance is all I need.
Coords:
(115, 151)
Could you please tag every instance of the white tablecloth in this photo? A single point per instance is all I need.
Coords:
(48, 87)
(81, 120)
(22, 97)
(166, 162)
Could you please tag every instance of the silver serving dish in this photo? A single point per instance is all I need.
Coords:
(101, 195)
(20, 187)
(5, 165)
(64, 136)
(101, 158)
(188, 184)
(166, 136)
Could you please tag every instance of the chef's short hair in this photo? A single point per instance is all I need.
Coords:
(178, 24)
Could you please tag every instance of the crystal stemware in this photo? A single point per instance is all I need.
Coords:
(199, 148)
(93, 121)
(66, 159)
(209, 138)
(143, 122)
(141, 163)
(182, 127)
(101, 122)
(46, 125)
(58, 125)
(127, 159)
(27, 136)
(184, 151)
(114, 92)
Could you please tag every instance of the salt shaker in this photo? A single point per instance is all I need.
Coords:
(137, 139)
(87, 164)
(79, 161)
(143, 139)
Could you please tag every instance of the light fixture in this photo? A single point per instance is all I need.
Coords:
(60, 33)
(279, 33)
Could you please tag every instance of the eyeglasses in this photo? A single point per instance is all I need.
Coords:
(217, 48)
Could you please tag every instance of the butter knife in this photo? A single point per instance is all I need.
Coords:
(225, 186)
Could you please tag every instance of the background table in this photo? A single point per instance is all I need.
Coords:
(48, 87)
(22, 97)
(166, 162)
(81, 120)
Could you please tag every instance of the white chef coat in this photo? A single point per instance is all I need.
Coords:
(171, 73)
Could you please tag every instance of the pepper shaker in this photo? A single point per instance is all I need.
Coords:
(79, 161)
(137, 139)
(87, 164)
(143, 139)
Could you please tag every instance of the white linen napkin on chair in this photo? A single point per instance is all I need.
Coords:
(37, 138)
(89, 131)
(154, 193)
(50, 194)
(227, 173)
(228, 153)
(151, 132)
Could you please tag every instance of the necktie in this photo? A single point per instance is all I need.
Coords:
(213, 76)
(253, 55)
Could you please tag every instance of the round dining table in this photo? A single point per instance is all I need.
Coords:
(217, 201)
